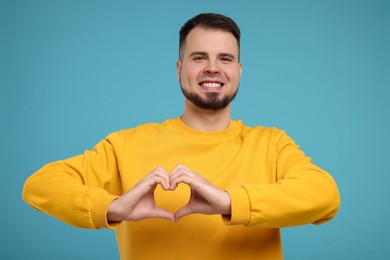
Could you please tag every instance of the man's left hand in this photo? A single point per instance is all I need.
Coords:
(205, 197)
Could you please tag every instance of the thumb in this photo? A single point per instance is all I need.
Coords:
(162, 213)
(184, 211)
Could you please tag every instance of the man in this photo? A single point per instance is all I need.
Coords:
(201, 186)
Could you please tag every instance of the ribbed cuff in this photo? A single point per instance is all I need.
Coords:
(99, 208)
(240, 207)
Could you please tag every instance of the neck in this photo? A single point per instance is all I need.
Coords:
(205, 120)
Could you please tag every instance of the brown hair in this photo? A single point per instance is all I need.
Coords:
(209, 21)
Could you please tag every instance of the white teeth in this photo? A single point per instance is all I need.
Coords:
(211, 85)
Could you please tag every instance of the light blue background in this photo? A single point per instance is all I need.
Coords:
(74, 71)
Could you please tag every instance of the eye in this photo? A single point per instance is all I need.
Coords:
(199, 58)
(226, 59)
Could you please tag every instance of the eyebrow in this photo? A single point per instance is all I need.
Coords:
(202, 53)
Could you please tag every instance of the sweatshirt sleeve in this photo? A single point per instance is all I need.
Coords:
(78, 190)
(302, 194)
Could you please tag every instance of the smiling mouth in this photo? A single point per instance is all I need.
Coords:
(211, 85)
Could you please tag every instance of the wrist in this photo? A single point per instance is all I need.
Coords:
(114, 212)
(226, 209)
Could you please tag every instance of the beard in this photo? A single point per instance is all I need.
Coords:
(211, 101)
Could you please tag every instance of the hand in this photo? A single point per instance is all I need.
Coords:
(138, 203)
(205, 197)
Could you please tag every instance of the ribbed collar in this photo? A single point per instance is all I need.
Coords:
(177, 125)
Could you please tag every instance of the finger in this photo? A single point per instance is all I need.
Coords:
(177, 179)
(184, 211)
(164, 182)
(173, 178)
(146, 186)
(179, 174)
(176, 171)
(180, 169)
(160, 176)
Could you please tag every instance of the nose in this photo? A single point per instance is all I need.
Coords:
(212, 68)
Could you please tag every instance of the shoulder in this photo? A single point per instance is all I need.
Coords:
(270, 135)
(143, 129)
(143, 132)
(264, 131)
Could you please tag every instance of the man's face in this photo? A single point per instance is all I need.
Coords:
(209, 70)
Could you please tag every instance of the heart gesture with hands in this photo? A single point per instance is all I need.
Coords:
(139, 203)
(205, 197)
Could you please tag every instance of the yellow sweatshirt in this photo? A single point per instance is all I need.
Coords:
(271, 183)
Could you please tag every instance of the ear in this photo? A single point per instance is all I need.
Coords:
(240, 69)
(178, 69)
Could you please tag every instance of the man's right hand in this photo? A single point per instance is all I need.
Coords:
(138, 203)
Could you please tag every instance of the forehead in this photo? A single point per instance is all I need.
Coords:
(210, 41)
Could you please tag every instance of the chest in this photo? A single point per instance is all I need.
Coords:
(226, 164)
